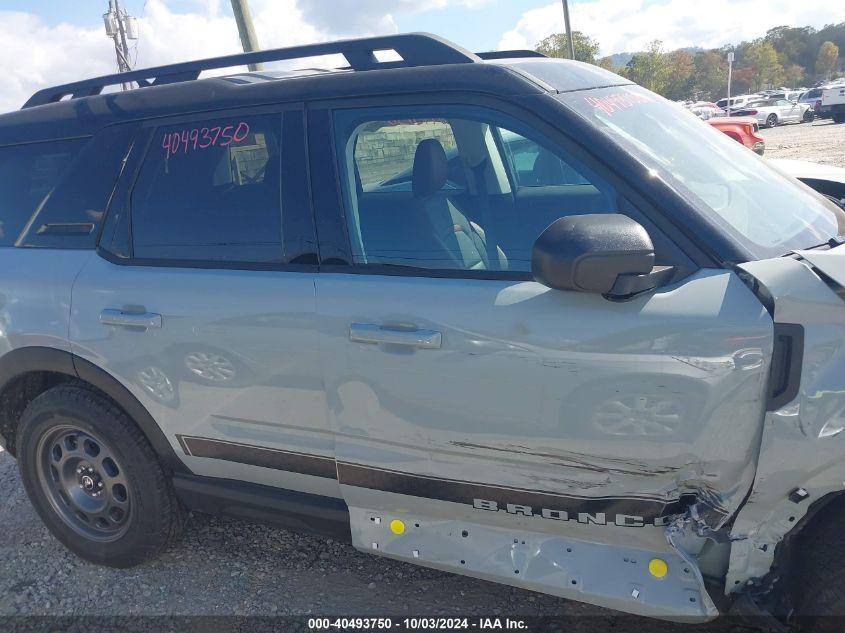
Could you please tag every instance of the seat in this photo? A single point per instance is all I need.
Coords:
(461, 240)
(427, 229)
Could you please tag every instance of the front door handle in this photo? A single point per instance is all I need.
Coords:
(372, 333)
(146, 320)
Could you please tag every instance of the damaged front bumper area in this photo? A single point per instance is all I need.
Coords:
(802, 454)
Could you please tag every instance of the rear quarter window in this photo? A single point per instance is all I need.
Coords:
(28, 175)
(72, 211)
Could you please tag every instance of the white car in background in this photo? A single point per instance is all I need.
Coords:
(826, 179)
(773, 112)
(705, 110)
(736, 102)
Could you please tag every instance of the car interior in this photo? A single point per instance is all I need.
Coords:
(478, 205)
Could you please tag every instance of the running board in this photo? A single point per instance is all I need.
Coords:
(287, 509)
(610, 576)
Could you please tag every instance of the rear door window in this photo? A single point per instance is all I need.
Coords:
(28, 174)
(210, 191)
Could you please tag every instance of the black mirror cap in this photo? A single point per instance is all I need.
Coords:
(588, 252)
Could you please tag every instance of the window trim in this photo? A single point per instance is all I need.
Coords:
(335, 212)
(122, 196)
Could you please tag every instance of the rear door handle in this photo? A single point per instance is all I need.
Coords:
(372, 333)
(146, 320)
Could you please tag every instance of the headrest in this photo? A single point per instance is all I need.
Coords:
(430, 168)
(547, 168)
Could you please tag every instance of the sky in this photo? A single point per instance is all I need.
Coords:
(49, 42)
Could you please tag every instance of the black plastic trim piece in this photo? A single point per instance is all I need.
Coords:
(643, 510)
(412, 271)
(288, 509)
(647, 510)
(415, 49)
(514, 54)
(262, 456)
(787, 361)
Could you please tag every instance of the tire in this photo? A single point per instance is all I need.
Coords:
(808, 117)
(819, 578)
(94, 479)
(839, 118)
(772, 120)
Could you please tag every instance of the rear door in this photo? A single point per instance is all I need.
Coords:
(201, 299)
(463, 393)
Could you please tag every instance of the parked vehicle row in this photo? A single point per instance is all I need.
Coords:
(775, 107)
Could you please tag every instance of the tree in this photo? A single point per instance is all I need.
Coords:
(793, 75)
(826, 60)
(650, 69)
(710, 75)
(763, 59)
(680, 64)
(557, 45)
(606, 63)
(791, 43)
(743, 80)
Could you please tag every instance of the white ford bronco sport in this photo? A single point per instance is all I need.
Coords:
(506, 316)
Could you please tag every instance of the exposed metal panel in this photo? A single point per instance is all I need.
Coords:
(615, 576)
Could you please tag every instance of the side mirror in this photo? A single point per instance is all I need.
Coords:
(608, 253)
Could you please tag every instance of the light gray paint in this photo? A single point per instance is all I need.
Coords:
(35, 286)
(803, 443)
(523, 390)
(235, 358)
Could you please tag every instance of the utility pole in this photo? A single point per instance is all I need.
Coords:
(730, 74)
(568, 29)
(121, 27)
(246, 29)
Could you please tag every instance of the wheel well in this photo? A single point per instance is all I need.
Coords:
(786, 563)
(16, 395)
(27, 372)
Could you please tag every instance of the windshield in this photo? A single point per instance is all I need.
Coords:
(767, 212)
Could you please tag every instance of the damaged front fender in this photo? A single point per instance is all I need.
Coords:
(802, 448)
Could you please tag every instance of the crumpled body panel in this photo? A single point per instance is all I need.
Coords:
(803, 443)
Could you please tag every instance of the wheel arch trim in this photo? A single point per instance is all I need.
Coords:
(25, 360)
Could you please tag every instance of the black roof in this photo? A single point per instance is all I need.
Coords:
(427, 63)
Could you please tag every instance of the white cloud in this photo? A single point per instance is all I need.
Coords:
(34, 55)
(629, 25)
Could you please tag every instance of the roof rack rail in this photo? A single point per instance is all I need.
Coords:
(415, 49)
(515, 54)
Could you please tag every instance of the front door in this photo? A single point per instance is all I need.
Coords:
(464, 394)
(789, 110)
(198, 302)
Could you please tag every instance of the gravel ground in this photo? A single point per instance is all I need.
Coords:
(821, 141)
(224, 567)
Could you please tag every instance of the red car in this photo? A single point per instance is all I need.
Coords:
(742, 129)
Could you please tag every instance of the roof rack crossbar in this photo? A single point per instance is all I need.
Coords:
(515, 54)
(415, 49)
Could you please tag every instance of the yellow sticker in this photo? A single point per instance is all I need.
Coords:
(397, 527)
(657, 567)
